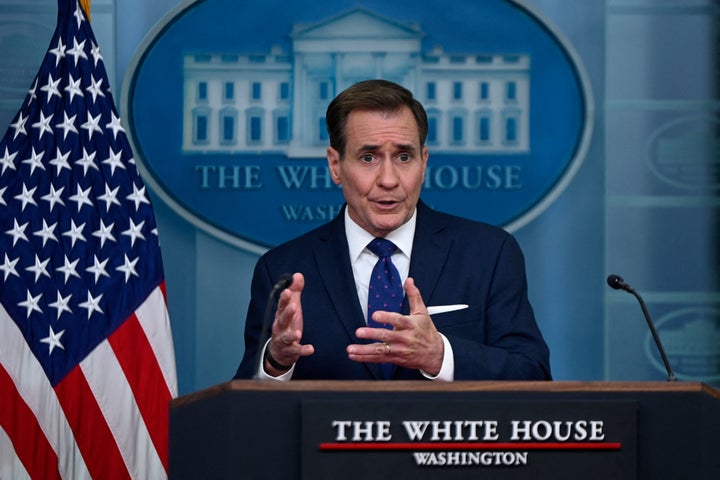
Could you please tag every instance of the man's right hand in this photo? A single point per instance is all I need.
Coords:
(284, 346)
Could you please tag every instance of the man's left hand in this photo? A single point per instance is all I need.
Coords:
(413, 342)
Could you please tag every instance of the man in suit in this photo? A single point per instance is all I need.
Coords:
(465, 313)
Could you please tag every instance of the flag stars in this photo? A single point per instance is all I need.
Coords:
(77, 51)
(26, 197)
(18, 232)
(43, 124)
(7, 160)
(69, 269)
(115, 125)
(53, 340)
(75, 233)
(113, 161)
(61, 304)
(35, 161)
(19, 125)
(31, 304)
(51, 88)
(128, 268)
(8, 267)
(134, 232)
(39, 269)
(95, 88)
(109, 197)
(67, 125)
(32, 91)
(46, 233)
(54, 197)
(98, 268)
(104, 233)
(92, 304)
(138, 196)
(95, 52)
(82, 197)
(60, 161)
(92, 125)
(73, 87)
(78, 15)
(58, 51)
(87, 161)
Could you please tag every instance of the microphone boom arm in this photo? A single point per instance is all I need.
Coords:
(616, 282)
(656, 337)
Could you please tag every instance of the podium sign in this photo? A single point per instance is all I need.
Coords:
(436, 440)
(252, 429)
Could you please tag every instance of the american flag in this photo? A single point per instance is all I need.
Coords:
(87, 367)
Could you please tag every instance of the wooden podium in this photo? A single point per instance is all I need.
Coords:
(312, 430)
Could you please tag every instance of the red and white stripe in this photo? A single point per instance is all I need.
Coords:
(108, 418)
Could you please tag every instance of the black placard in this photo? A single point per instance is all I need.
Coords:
(469, 439)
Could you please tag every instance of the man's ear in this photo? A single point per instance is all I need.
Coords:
(425, 156)
(333, 158)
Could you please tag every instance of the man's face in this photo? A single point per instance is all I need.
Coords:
(382, 169)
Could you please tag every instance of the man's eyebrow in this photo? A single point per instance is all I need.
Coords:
(409, 147)
(368, 148)
(405, 147)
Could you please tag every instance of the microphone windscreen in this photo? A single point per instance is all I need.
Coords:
(615, 281)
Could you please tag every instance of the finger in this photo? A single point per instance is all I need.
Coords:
(387, 318)
(289, 307)
(417, 305)
(379, 334)
(284, 314)
(298, 283)
(374, 352)
(295, 288)
(287, 347)
(295, 291)
(306, 350)
(289, 337)
(283, 343)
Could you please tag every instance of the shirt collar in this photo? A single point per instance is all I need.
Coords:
(358, 238)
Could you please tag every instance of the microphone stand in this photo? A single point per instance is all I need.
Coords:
(617, 282)
(671, 374)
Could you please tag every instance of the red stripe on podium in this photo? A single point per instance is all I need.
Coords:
(473, 446)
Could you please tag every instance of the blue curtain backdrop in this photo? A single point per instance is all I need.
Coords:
(644, 203)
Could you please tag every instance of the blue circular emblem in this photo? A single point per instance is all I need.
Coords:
(225, 105)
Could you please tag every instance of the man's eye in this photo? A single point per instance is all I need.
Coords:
(367, 158)
(404, 157)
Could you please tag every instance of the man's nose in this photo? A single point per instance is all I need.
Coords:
(388, 175)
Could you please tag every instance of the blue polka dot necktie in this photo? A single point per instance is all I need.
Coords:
(385, 291)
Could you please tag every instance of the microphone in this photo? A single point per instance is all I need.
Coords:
(616, 282)
(285, 281)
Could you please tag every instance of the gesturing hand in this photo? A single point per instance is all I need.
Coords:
(413, 342)
(287, 329)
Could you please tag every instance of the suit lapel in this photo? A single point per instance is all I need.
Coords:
(333, 261)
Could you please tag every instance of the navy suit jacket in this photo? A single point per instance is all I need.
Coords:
(454, 261)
